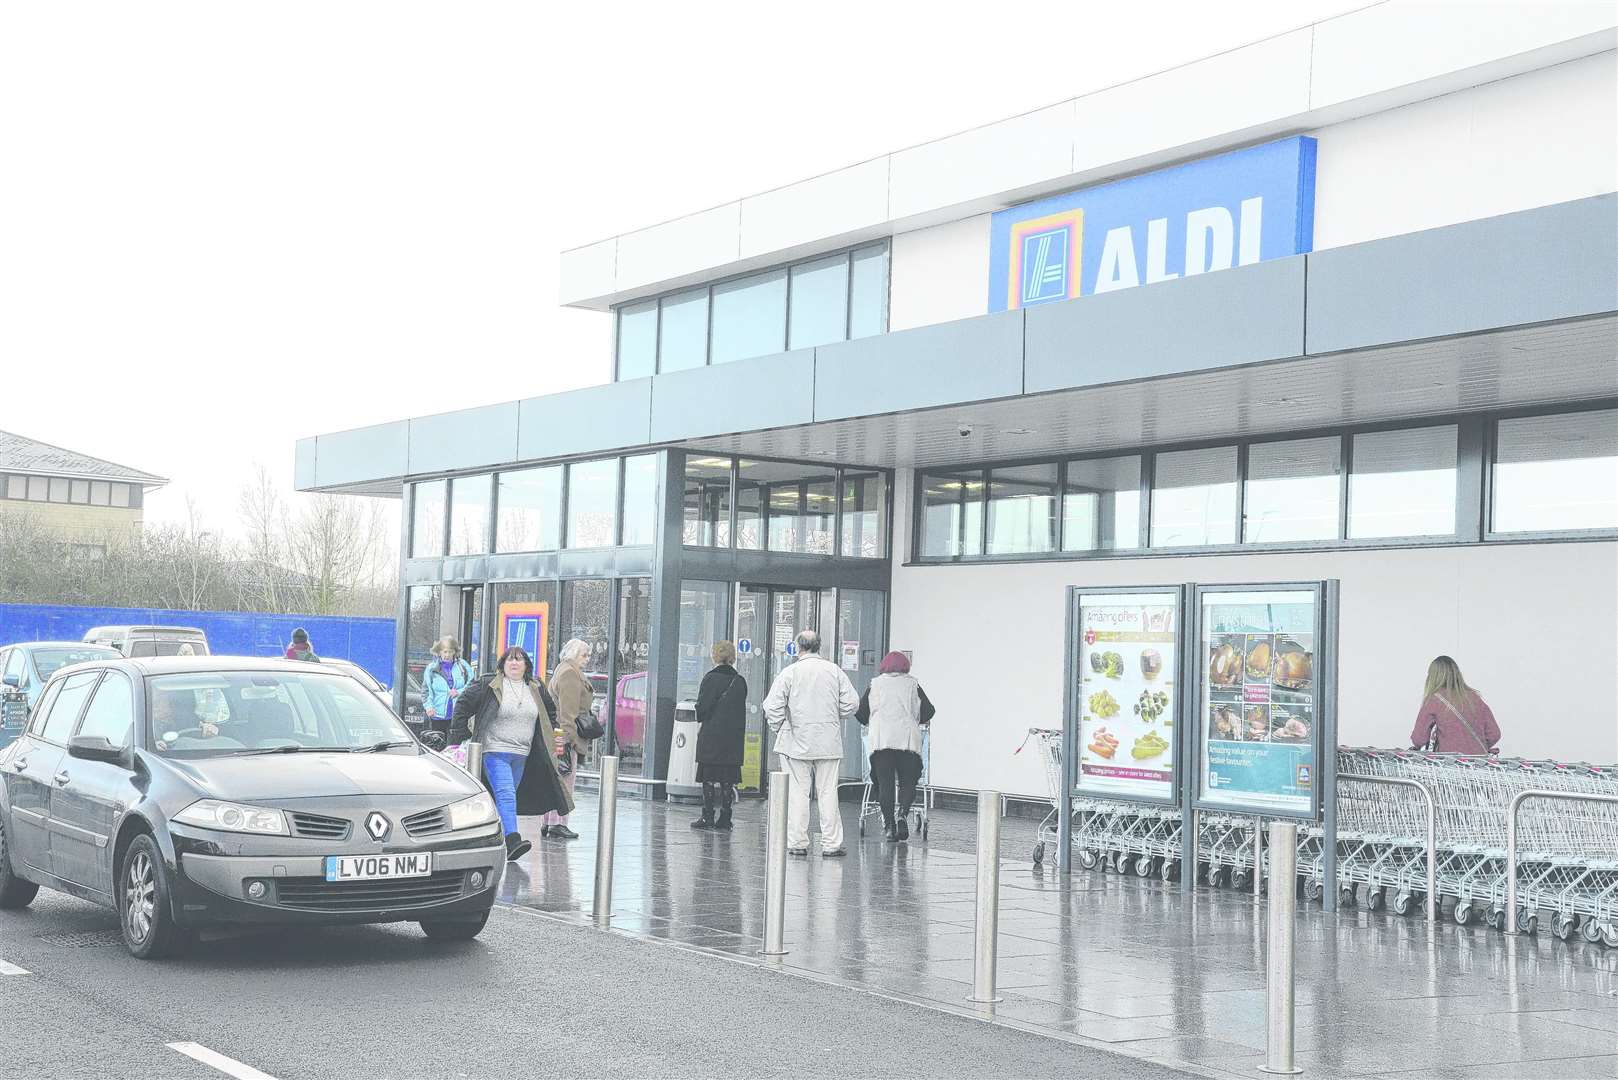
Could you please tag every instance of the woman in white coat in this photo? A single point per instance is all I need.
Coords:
(895, 707)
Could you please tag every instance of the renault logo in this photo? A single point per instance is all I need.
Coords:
(377, 825)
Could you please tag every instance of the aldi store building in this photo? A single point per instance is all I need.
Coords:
(1275, 316)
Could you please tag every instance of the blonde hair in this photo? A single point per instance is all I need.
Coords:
(453, 645)
(576, 651)
(724, 652)
(1444, 676)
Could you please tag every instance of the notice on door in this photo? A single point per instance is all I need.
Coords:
(1259, 706)
(1126, 694)
(851, 656)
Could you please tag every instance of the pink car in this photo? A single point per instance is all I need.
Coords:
(630, 710)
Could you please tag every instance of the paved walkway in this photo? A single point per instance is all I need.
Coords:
(1129, 964)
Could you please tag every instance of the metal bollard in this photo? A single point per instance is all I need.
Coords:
(474, 760)
(775, 867)
(986, 944)
(606, 826)
(1258, 858)
(1282, 972)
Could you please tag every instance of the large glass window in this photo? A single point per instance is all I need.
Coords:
(952, 514)
(1022, 510)
(469, 514)
(749, 317)
(640, 499)
(1402, 483)
(637, 340)
(1292, 490)
(421, 631)
(592, 503)
(707, 502)
(819, 303)
(865, 514)
(427, 522)
(868, 292)
(1194, 498)
(1101, 504)
(1556, 472)
(632, 705)
(704, 608)
(530, 510)
(683, 337)
(785, 506)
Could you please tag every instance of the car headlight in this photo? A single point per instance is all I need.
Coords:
(233, 817)
(469, 813)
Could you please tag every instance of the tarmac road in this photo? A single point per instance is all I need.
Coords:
(530, 997)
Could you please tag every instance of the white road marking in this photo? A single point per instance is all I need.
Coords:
(216, 1060)
(12, 969)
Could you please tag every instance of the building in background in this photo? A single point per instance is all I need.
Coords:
(86, 501)
(1342, 303)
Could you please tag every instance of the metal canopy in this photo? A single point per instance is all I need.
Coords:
(1559, 362)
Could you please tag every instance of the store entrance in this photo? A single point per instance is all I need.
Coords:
(851, 624)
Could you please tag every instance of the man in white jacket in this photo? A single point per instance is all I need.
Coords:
(805, 709)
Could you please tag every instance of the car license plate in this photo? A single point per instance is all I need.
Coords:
(377, 867)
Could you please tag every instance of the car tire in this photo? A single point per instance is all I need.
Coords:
(454, 929)
(14, 891)
(145, 916)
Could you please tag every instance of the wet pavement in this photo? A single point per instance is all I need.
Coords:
(1103, 960)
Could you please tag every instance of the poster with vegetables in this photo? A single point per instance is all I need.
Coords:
(1258, 700)
(1126, 697)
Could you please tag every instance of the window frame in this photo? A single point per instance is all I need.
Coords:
(846, 254)
(1476, 436)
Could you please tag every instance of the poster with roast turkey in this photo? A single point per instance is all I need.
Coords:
(1259, 703)
(1126, 693)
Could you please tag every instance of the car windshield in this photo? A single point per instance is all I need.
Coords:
(46, 661)
(365, 677)
(168, 647)
(210, 714)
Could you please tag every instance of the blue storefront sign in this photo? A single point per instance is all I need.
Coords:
(1236, 209)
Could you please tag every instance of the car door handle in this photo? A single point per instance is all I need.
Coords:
(19, 765)
(61, 778)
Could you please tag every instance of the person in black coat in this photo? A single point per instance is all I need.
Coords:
(722, 712)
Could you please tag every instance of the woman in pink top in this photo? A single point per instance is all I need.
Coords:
(1464, 723)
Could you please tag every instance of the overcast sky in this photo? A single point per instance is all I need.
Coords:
(226, 225)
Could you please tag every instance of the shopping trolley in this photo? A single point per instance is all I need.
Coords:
(869, 807)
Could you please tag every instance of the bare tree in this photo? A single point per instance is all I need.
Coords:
(337, 546)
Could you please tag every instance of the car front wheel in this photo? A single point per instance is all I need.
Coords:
(14, 891)
(454, 929)
(144, 913)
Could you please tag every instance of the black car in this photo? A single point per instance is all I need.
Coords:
(190, 792)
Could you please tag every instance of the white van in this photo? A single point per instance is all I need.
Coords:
(151, 640)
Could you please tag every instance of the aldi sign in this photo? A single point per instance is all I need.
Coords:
(1233, 210)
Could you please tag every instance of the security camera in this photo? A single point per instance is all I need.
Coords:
(963, 430)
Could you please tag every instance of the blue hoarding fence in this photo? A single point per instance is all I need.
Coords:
(366, 641)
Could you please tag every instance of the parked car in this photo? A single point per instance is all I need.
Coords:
(151, 640)
(629, 712)
(26, 666)
(304, 802)
(366, 679)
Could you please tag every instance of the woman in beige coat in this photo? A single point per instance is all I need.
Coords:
(573, 696)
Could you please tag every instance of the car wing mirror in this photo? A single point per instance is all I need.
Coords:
(94, 748)
(12, 681)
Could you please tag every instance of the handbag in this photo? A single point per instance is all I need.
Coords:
(589, 725)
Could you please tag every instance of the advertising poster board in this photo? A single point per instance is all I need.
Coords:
(1261, 717)
(526, 625)
(1124, 660)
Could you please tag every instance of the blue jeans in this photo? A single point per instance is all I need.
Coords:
(505, 773)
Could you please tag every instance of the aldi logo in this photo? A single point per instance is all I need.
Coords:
(1232, 210)
(1047, 254)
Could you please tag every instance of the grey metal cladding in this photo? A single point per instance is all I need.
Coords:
(596, 418)
(466, 439)
(975, 359)
(1553, 262)
(368, 453)
(1239, 316)
(764, 392)
(303, 463)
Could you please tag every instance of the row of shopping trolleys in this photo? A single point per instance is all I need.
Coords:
(1567, 849)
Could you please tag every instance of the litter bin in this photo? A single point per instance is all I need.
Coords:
(682, 782)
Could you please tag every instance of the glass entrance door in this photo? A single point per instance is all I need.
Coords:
(768, 621)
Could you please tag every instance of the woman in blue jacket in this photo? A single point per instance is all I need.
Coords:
(442, 682)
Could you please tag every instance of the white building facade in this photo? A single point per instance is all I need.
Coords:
(1279, 315)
